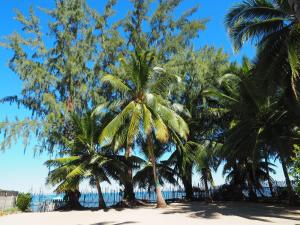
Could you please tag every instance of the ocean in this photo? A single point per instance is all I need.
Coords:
(41, 202)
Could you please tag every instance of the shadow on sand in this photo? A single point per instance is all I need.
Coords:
(252, 211)
(112, 223)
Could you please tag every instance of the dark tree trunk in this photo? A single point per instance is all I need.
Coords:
(252, 193)
(149, 192)
(288, 181)
(187, 182)
(205, 180)
(101, 201)
(238, 185)
(128, 186)
(268, 171)
(204, 174)
(72, 200)
(160, 201)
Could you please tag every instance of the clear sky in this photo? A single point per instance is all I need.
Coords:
(21, 170)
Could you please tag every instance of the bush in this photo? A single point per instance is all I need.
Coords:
(23, 201)
(228, 192)
(295, 169)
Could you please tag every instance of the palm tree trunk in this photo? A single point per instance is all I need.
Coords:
(287, 180)
(128, 186)
(187, 181)
(238, 183)
(252, 193)
(205, 181)
(101, 201)
(72, 199)
(160, 201)
(295, 5)
(268, 171)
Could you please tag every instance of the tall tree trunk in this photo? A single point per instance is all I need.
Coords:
(187, 181)
(288, 181)
(238, 184)
(70, 106)
(72, 200)
(268, 171)
(128, 186)
(252, 193)
(295, 5)
(101, 201)
(205, 181)
(160, 201)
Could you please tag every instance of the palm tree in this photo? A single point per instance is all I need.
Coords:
(266, 155)
(58, 176)
(257, 120)
(273, 26)
(295, 5)
(244, 173)
(142, 109)
(281, 136)
(199, 71)
(205, 162)
(182, 161)
(144, 179)
(84, 159)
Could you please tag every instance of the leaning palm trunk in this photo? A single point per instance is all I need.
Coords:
(101, 201)
(160, 201)
(288, 181)
(295, 5)
(128, 189)
(268, 172)
(270, 183)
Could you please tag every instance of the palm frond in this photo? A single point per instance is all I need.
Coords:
(259, 30)
(133, 128)
(112, 127)
(147, 120)
(116, 83)
(61, 161)
(161, 130)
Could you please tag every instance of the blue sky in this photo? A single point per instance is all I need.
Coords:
(21, 170)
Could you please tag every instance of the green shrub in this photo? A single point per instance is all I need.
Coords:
(228, 192)
(295, 169)
(23, 201)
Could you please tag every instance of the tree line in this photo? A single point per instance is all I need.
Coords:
(131, 100)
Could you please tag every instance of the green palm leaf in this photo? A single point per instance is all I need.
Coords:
(111, 129)
(116, 83)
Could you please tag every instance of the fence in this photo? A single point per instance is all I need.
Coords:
(7, 199)
(44, 203)
(41, 202)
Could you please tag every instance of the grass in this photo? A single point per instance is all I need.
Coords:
(9, 211)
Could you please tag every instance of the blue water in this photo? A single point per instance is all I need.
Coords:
(91, 199)
(39, 201)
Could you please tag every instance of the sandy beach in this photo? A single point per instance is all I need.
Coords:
(175, 214)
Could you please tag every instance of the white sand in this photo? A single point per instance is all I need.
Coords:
(175, 214)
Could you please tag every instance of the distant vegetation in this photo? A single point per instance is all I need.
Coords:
(295, 171)
(23, 201)
(132, 100)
